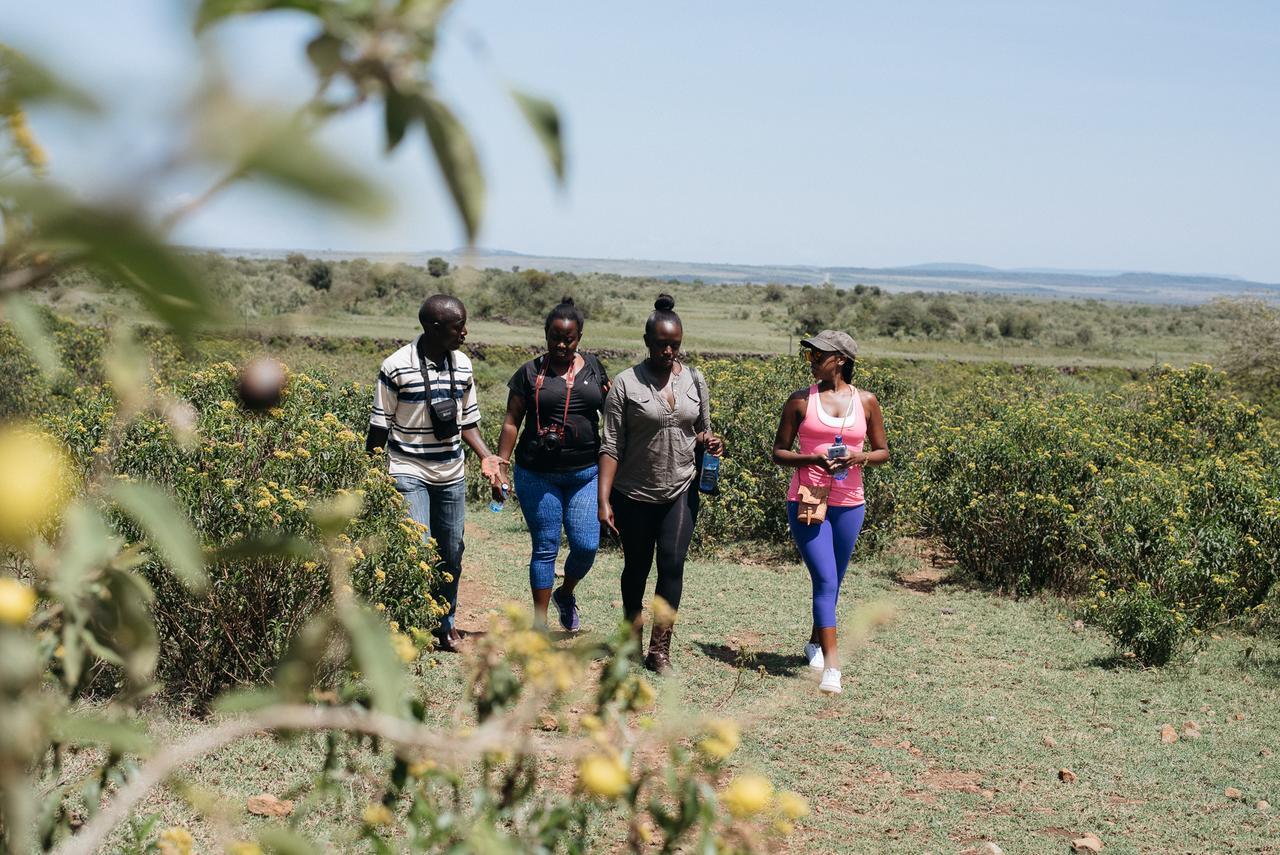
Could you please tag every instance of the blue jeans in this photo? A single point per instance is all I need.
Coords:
(550, 500)
(441, 508)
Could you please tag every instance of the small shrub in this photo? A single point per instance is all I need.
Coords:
(261, 477)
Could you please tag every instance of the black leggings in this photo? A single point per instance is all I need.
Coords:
(645, 527)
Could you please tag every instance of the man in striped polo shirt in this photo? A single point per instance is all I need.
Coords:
(424, 408)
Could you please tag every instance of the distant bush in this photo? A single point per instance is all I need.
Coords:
(527, 296)
(25, 391)
(320, 276)
(253, 476)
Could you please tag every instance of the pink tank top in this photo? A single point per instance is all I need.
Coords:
(816, 434)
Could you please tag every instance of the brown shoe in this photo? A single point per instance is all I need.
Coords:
(659, 658)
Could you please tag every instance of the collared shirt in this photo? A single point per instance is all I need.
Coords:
(654, 445)
(400, 403)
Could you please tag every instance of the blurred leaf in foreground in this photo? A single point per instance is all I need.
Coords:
(544, 119)
(167, 527)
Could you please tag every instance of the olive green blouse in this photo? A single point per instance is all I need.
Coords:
(655, 445)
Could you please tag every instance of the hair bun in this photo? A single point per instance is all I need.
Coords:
(567, 301)
(664, 303)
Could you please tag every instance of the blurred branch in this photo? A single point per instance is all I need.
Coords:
(450, 748)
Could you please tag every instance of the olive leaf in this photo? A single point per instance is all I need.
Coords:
(167, 528)
(458, 162)
(544, 119)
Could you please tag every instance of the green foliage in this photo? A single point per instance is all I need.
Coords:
(437, 267)
(26, 390)
(247, 479)
(1161, 502)
(320, 276)
(525, 297)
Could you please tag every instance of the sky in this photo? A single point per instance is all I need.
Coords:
(1016, 133)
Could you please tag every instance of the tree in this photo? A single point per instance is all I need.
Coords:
(1252, 354)
(320, 276)
(437, 267)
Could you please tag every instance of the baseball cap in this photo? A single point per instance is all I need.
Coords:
(832, 341)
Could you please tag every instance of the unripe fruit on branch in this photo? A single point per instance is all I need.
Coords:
(262, 384)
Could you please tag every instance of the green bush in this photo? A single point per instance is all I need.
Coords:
(25, 391)
(1160, 501)
(251, 476)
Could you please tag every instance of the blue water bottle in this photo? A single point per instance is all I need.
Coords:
(709, 481)
(836, 452)
(495, 505)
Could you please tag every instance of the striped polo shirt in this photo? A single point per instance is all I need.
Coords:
(400, 405)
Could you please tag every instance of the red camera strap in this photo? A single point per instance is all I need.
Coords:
(568, 395)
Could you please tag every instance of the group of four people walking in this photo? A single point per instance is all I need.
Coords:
(588, 453)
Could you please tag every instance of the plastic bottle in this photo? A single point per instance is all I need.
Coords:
(709, 480)
(837, 451)
(495, 505)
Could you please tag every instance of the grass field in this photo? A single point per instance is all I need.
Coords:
(955, 721)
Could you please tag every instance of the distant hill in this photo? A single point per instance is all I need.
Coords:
(1127, 286)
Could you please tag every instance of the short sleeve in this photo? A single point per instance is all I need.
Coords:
(600, 369)
(519, 382)
(386, 396)
(470, 405)
(613, 441)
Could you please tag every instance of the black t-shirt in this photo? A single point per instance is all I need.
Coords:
(581, 446)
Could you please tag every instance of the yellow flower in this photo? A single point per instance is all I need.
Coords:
(602, 775)
(377, 814)
(17, 602)
(380, 575)
(34, 482)
(176, 841)
(747, 795)
(243, 847)
(792, 805)
(783, 827)
(404, 647)
(723, 736)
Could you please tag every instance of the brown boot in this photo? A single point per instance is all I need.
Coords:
(659, 658)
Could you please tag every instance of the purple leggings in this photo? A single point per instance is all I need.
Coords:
(826, 550)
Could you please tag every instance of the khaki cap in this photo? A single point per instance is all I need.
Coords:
(832, 341)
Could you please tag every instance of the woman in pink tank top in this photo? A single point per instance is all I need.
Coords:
(839, 430)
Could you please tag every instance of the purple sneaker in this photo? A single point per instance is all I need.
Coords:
(568, 610)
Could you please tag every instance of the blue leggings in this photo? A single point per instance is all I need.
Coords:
(826, 550)
(549, 501)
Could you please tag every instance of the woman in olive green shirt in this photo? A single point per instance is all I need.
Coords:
(656, 419)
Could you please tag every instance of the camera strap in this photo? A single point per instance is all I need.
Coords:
(426, 378)
(568, 394)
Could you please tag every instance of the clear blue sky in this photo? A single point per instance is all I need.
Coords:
(1090, 134)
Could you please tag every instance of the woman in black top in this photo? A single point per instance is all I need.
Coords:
(558, 397)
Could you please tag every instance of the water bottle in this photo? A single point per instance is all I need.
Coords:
(835, 452)
(495, 505)
(709, 481)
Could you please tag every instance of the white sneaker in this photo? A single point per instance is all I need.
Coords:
(813, 652)
(830, 684)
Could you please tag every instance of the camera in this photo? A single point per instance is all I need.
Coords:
(550, 439)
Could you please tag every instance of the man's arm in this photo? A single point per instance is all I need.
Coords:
(376, 439)
(490, 463)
